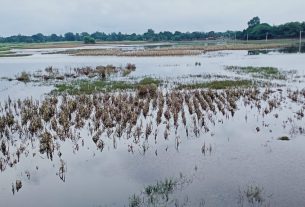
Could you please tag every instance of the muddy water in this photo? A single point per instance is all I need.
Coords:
(240, 156)
(161, 67)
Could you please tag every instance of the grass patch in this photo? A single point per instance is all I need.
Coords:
(219, 84)
(149, 80)
(262, 72)
(90, 87)
(147, 86)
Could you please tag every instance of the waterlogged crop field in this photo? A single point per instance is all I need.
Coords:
(223, 128)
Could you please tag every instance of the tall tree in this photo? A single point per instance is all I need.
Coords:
(69, 36)
(253, 22)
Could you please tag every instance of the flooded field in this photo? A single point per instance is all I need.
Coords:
(223, 128)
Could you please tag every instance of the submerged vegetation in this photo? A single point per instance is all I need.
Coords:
(261, 72)
(145, 86)
(253, 195)
(79, 73)
(23, 77)
(219, 84)
(134, 116)
(161, 193)
(90, 87)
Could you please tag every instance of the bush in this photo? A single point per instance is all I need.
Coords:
(89, 40)
(24, 77)
(145, 90)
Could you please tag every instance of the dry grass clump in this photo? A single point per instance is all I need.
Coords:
(23, 77)
(86, 72)
(129, 68)
(135, 53)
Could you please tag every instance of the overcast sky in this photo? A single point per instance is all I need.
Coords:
(128, 16)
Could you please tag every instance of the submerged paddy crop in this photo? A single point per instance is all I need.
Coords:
(123, 115)
(99, 72)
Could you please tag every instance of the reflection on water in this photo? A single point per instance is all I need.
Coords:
(258, 52)
(284, 50)
(293, 49)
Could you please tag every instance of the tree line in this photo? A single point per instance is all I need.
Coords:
(255, 31)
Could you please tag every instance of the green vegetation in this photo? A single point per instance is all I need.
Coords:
(145, 87)
(262, 72)
(257, 30)
(218, 84)
(155, 195)
(149, 80)
(161, 193)
(89, 40)
(90, 87)
(161, 188)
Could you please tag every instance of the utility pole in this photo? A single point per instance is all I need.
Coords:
(247, 37)
(266, 36)
(300, 46)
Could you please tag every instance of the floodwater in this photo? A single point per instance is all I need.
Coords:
(240, 156)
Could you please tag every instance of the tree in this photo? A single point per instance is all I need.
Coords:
(38, 37)
(54, 38)
(149, 35)
(89, 40)
(253, 22)
(69, 36)
(259, 31)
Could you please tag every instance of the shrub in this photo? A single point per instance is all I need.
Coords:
(148, 89)
(24, 77)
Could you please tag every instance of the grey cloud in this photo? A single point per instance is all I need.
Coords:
(58, 16)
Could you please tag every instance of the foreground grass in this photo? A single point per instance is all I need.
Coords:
(218, 84)
(261, 72)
